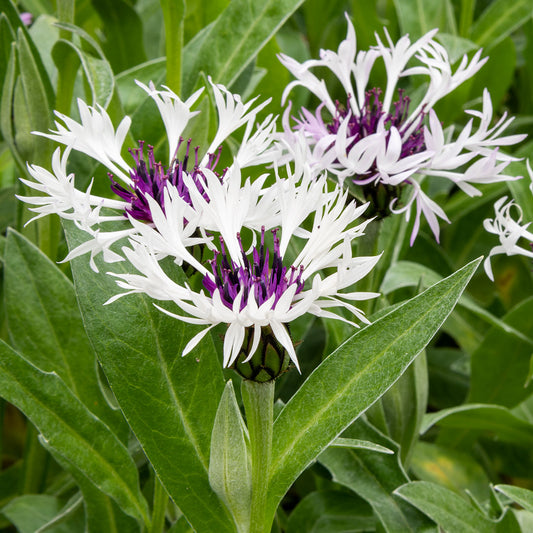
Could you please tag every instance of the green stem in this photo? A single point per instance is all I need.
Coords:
(173, 15)
(66, 75)
(35, 464)
(65, 13)
(258, 401)
(367, 245)
(2, 414)
(466, 17)
(160, 507)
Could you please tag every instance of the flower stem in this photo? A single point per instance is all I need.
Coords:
(173, 15)
(258, 401)
(160, 507)
(66, 75)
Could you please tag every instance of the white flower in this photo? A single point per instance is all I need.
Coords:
(375, 139)
(142, 183)
(261, 287)
(507, 225)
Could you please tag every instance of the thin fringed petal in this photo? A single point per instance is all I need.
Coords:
(94, 136)
(382, 143)
(174, 112)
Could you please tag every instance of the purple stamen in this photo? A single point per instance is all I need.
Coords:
(257, 275)
(151, 179)
(371, 115)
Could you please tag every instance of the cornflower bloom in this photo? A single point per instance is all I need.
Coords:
(144, 178)
(253, 283)
(507, 225)
(377, 140)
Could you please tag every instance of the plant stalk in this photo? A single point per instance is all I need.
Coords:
(173, 15)
(258, 401)
(159, 508)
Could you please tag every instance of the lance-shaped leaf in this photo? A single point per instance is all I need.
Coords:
(37, 97)
(101, 512)
(170, 401)
(399, 412)
(230, 469)
(417, 18)
(331, 511)
(224, 48)
(499, 20)
(39, 513)
(451, 511)
(353, 377)
(95, 66)
(374, 478)
(466, 420)
(522, 497)
(45, 324)
(69, 429)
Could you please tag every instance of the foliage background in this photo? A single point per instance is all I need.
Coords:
(474, 379)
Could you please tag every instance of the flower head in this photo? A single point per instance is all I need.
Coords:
(507, 225)
(257, 288)
(383, 142)
(143, 179)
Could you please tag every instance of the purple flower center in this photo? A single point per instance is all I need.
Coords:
(257, 275)
(150, 179)
(372, 114)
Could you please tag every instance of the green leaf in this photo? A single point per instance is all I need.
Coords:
(7, 108)
(456, 46)
(8, 8)
(520, 188)
(38, 7)
(70, 430)
(233, 40)
(6, 38)
(352, 378)
(8, 208)
(502, 58)
(96, 69)
(181, 526)
(409, 274)
(169, 401)
(398, 413)
(173, 18)
(146, 121)
(449, 510)
(200, 14)
(130, 94)
(38, 96)
(358, 444)
(122, 27)
(103, 513)
(417, 17)
(31, 513)
(9, 480)
(499, 20)
(45, 324)
(522, 497)
(331, 511)
(450, 468)
(374, 478)
(494, 419)
(325, 24)
(449, 378)
(502, 380)
(230, 466)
